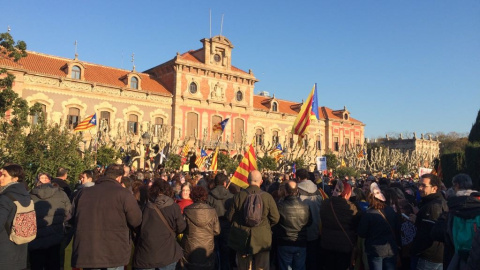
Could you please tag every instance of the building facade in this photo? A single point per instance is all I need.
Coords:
(176, 102)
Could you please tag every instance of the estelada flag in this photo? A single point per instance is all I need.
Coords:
(87, 123)
(248, 164)
(308, 111)
(213, 166)
(220, 126)
(201, 159)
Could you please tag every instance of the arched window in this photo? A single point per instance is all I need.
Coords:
(73, 117)
(239, 129)
(305, 142)
(275, 138)
(318, 143)
(37, 116)
(134, 83)
(336, 147)
(274, 107)
(192, 124)
(105, 117)
(259, 137)
(76, 72)
(291, 142)
(132, 124)
(193, 88)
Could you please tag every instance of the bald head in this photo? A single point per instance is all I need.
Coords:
(291, 188)
(255, 178)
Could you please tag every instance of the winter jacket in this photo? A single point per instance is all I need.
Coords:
(295, 217)
(13, 256)
(382, 237)
(252, 240)
(473, 262)
(104, 215)
(63, 185)
(79, 188)
(333, 237)
(221, 199)
(198, 239)
(184, 203)
(309, 194)
(156, 246)
(51, 207)
(424, 246)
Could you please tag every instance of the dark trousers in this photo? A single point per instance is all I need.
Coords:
(223, 250)
(313, 248)
(333, 260)
(293, 257)
(48, 258)
(260, 260)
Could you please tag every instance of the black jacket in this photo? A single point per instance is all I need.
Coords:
(13, 256)
(155, 245)
(295, 217)
(221, 199)
(424, 246)
(63, 185)
(382, 238)
(51, 207)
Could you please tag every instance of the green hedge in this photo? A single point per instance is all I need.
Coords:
(472, 162)
(452, 164)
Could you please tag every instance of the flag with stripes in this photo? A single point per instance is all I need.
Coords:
(201, 159)
(185, 150)
(220, 126)
(308, 112)
(277, 152)
(213, 166)
(248, 164)
(87, 123)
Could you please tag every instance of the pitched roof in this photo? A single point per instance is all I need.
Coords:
(53, 65)
(262, 103)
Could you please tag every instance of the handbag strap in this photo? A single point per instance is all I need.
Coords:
(335, 215)
(391, 229)
(162, 217)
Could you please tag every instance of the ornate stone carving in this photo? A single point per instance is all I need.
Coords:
(106, 90)
(160, 99)
(217, 93)
(40, 80)
(134, 95)
(76, 86)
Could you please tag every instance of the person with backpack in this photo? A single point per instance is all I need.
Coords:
(13, 196)
(51, 207)
(252, 214)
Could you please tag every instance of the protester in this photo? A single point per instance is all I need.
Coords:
(310, 195)
(156, 246)
(339, 219)
(428, 251)
(381, 229)
(51, 207)
(252, 244)
(61, 181)
(291, 230)
(221, 199)
(185, 196)
(13, 256)
(202, 226)
(104, 215)
(86, 180)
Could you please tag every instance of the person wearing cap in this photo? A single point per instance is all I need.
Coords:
(61, 181)
(381, 229)
(339, 220)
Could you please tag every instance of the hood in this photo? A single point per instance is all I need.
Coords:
(465, 192)
(163, 201)
(198, 214)
(220, 193)
(44, 191)
(464, 206)
(308, 186)
(18, 191)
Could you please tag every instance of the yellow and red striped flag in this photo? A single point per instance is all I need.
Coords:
(308, 111)
(185, 150)
(200, 160)
(213, 166)
(87, 123)
(248, 164)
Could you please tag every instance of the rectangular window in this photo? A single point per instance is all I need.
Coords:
(259, 137)
(318, 143)
(158, 126)
(36, 117)
(192, 124)
(73, 117)
(105, 118)
(291, 142)
(347, 143)
(216, 133)
(335, 144)
(239, 129)
(275, 139)
(132, 125)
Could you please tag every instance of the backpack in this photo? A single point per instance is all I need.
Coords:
(463, 231)
(24, 225)
(253, 209)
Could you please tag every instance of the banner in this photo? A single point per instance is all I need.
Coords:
(422, 171)
(321, 163)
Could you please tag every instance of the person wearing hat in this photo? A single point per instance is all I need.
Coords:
(381, 229)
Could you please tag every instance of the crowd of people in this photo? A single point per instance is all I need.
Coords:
(191, 220)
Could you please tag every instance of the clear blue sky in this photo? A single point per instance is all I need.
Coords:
(398, 66)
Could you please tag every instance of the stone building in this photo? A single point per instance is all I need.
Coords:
(176, 101)
(423, 145)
